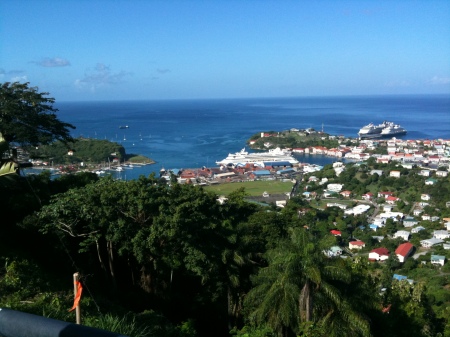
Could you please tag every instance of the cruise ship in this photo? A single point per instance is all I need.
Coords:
(371, 130)
(393, 130)
(385, 129)
(258, 158)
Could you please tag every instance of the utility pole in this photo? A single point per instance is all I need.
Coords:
(76, 280)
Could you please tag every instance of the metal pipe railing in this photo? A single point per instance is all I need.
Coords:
(19, 324)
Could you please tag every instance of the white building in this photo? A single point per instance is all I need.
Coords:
(359, 209)
(417, 229)
(430, 242)
(334, 187)
(438, 259)
(379, 254)
(402, 234)
(441, 234)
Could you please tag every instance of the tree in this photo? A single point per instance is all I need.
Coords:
(300, 285)
(103, 217)
(27, 116)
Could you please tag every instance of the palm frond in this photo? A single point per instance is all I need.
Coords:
(8, 173)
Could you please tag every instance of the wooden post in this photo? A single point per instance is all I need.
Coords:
(75, 288)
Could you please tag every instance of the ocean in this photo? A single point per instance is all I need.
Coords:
(194, 133)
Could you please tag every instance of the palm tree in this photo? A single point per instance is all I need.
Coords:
(300, 285)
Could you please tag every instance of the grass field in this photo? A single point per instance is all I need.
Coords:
(253, 188)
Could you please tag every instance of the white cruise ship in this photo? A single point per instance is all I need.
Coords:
(393, 130)
(258, 158)
(371, 130)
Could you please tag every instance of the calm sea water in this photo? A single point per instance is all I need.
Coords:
(194, 133)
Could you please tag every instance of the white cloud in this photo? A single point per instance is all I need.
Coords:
(21, 79)
(438, 80)
(15, 75)
(53, 62)
(100, 76)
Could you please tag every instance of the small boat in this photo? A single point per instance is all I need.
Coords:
(123, 127)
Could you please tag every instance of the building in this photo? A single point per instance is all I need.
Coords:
(442, 174)
(402, 278)
(356, 244)
(424, 173)
(403, 251)
(334, 187)
(425, 197)
(391, 200)
(358, 209)
(333, 251)
(402, 234)
(410, 222)
(367, 196)
(379, 254)
(438, 259)
(441, 234)
(417, 229)
(428, 243)
(430, 181)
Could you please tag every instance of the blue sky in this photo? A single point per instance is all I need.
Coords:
(114, 49)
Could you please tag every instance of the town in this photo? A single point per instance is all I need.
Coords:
(417, 221)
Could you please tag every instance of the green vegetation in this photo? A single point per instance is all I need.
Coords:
(252, 188)
(160, 260)
(138, 159)
(27, 117)
(82, 150)
(294, 139)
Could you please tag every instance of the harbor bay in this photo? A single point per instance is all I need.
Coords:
(195, 133)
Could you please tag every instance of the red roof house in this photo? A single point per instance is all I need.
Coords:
(335, 232)
(367, 196)
(392, 200)
(379, 254)
(403, 251)
(356, 244)
(346, 194)
(385, 194)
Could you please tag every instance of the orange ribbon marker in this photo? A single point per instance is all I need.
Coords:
(77, 296)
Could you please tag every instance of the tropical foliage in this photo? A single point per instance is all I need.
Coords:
(300, 285)
(164, 260)
(83, 150)
(27, 116)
